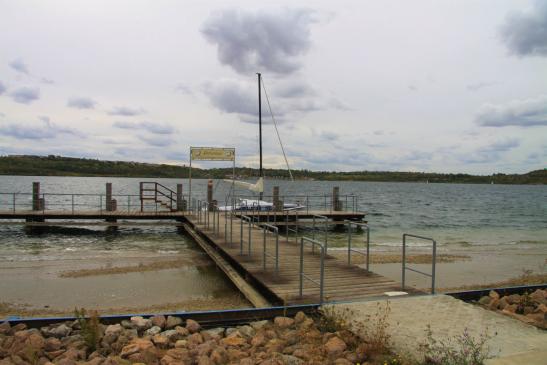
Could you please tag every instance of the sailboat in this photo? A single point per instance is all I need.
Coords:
(258, 187)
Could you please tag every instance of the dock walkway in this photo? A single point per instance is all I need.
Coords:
(342, 282)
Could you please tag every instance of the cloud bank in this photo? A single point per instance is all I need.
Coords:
(521, 113)
(44, 130)
(155, 128)
(525, 33)
(2, 88)
(19, 66)
(25, 95)
(81, 103)
(260, 42)
(126, 112)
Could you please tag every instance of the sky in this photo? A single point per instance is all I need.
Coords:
(433, 86)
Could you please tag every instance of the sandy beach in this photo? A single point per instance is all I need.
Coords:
(179, 282)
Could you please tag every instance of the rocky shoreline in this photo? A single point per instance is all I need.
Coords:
(169, 341)
(529, 308)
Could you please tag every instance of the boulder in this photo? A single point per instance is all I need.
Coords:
(485, 300)
(159, 321)
(234, 339)
(258, 324)
(283, 322)
(172, 322)
(181, 344)
(128, 324)
(192, 326)
(135, 346)
(113, 329)
(335, 346)
(140, 323)
(52, 344)
(539, 296)
(204, 360)
(513, 299)
(493, 294)
(160, 341)
(216, 333)
(5, 327)
(152, 331)
(503, 303)
(175, 357)
(246, 331)
(300, 317)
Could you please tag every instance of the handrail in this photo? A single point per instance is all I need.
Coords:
(287, 229)
(433, 260)
(250, 222)
(274, 230)
(326, 229)
(303, 276)
(350, 249)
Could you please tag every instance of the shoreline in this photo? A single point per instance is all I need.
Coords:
(158, 283)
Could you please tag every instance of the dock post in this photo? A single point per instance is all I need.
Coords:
(108, 202)
(336, 203)
(180, 202)
(276, 202)
(210, 205)
(111, 205)
(36, 196)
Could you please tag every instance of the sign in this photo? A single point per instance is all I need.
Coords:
(212, 154)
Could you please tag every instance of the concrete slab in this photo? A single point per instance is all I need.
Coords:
(449, 317)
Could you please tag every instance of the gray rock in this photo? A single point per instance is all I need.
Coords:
(140, 323)
(258, 324)
(172, 322)
(128, 324)
(152, 331)
(214, 332)
(230, 330)
(59, 331)
(246, 331)
(113, 329)
(172, 335)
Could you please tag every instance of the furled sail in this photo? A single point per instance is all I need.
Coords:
(258, 187)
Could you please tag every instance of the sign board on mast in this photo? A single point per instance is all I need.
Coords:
(212, 154)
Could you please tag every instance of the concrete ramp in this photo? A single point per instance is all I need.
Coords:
(512, 342)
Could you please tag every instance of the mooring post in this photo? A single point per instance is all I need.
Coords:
(276, 202)
(210, 206)
(336, 204)
(180, 202)
(108, 197)
(36, 196)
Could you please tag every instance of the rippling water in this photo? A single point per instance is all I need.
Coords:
(453, 214)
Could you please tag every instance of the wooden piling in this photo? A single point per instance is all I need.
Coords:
(210, 203)
(108, 197)
(336, 203)
(36, 196)
(180, 201)
(277, 204)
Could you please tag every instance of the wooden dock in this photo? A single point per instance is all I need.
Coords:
(342, 282)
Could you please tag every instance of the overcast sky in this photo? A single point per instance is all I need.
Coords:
(444, 86)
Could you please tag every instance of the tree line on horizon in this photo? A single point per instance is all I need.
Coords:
(70, 166)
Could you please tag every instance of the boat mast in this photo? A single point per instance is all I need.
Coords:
(261, 173)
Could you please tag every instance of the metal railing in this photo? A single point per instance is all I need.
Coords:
(250, 224)
(303, 276)
(75, 203)
(366, 228)
(433, 261)
(151, 190)
(348, 202)
(325, 229)
(294, 230)
(274, 230)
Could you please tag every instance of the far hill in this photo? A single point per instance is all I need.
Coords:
(68, 166)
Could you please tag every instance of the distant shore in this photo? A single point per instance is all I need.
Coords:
(25, 165)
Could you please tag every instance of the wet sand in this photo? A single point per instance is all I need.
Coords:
(485, 265)
(182, 282)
